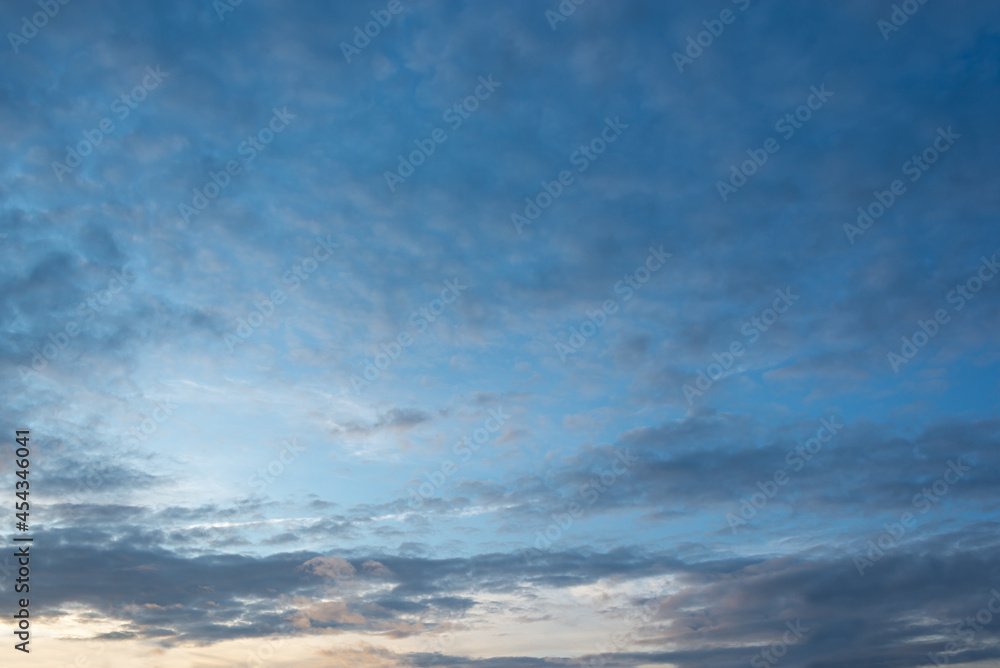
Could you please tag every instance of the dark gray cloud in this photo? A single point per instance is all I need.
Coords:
(730, 608)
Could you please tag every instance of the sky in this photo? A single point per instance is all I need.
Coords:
(502, 335)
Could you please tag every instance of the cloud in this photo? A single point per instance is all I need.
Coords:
(197, 531)
(333, 568)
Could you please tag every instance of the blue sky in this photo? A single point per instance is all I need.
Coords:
(495, 339)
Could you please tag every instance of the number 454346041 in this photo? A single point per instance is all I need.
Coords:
(22, 462)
